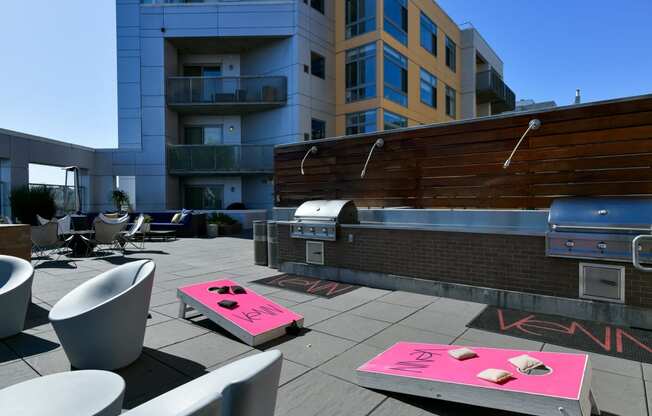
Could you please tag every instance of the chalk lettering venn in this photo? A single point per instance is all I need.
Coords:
(259, 313)
(420, 359)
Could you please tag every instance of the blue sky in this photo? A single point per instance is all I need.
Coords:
(58, 71)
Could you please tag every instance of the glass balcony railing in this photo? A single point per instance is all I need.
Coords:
(223, 159)
(249, 92)
(490, 87)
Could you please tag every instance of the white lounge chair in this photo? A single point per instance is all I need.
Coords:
(129, 237)
(101, 323)
(45, 240)
(247, 387)
(16, 276)
(107, 232)
(82, 393)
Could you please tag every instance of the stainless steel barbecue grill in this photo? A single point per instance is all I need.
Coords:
(605, 228)
(319, 220)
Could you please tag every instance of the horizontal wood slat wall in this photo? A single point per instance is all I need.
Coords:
(592, 150)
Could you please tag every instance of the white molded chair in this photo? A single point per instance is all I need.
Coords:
(101, 323)
(16, 276)
(247, 387)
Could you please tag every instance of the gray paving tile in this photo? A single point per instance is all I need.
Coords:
(436, 322)
(293, 296)
(313, 314)
(162, 298)
(282, 302)
(340, 303)
(26, 345)
(647, 371)
(383, 311)
(316, 393)
(147, 378)
(262, 289)
(619, 395)
(604, 362)
(353, 327)
(345, 364)
(170, 310)
(396, 333)
(313, 348)
(50, 362)
(170, 332)
(15, 372)
(156, 318)
(456, 307)
(415, 300)
(393, 407)
(289, 370)
(200, 353)
(6, 354)
(478, 338)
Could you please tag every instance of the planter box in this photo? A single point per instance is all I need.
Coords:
(16, 240)
(212, 230)
(230, 229)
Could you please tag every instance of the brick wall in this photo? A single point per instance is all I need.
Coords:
(507, 262)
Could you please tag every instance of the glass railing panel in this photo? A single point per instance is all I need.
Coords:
(221, 90)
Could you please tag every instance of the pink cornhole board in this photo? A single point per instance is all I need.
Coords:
(255, 320)
(427, 370)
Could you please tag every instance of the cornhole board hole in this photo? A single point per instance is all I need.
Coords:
(427, 370)
(255, 320)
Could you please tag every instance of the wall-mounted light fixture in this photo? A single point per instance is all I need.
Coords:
(231, 128)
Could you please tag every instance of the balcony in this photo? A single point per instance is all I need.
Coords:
(226, 95)
(206, 159)
(490, 87)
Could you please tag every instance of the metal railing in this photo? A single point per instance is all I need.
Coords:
(58, 193)
(490, 87)
(224, 90)
(205, 158)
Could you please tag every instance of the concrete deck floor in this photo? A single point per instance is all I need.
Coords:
(318, 369)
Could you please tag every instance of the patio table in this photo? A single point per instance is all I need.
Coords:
(427, 370)
(255, 320)
(71, 393)
(78, 246)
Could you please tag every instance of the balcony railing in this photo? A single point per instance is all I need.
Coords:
(490, 87)
(226, 93)
(220, 159)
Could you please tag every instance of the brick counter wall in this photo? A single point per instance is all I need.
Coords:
(508, 262)
(16, 240)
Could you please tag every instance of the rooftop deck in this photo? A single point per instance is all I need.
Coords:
(318, 370)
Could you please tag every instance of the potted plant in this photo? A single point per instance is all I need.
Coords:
(27, 202)
(147, 221)
(212, 226)
(120, 200)
(226, 224)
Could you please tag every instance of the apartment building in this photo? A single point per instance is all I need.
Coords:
(206, 88)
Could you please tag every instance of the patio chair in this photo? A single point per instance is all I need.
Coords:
(64, 223)
(129, 237)
(87, 393)
(246, 387)
(45, 241)
(101, 323)
(107, 233)
(16, 276)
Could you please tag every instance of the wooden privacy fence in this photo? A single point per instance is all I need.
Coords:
(595, 149)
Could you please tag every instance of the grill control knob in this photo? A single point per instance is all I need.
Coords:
(323, 230)
(570, 243)
(312, 229)
(602, 245)
(299, 229)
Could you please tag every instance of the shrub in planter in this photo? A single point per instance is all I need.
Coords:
(226, 225)
(27, 202)
(120, 200)
(147, 220)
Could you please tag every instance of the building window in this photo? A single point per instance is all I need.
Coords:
(396, 19)
(428, 34)
(428, 89)
(362, 122)
(451, 54)
(203, 134)
(204, 196)
(360, 17)
(317, 5)
(396, 78)
(317, 65)
(451, 101)
(393, 121)
(318, 129)
(361, 73)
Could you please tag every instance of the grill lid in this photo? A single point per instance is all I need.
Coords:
(602, 214)
(339, 211)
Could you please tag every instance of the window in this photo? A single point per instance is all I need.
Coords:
(396, 20)
(204, 197)
(450, 101)
(428, 34)
(203, 135)
(428, 89)
(362, 122)
(361, 73)
(395, 67)
(317, 65)
(360, 17)
(451, 54)
(393, 121)
(318, 129)
(317, 5)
